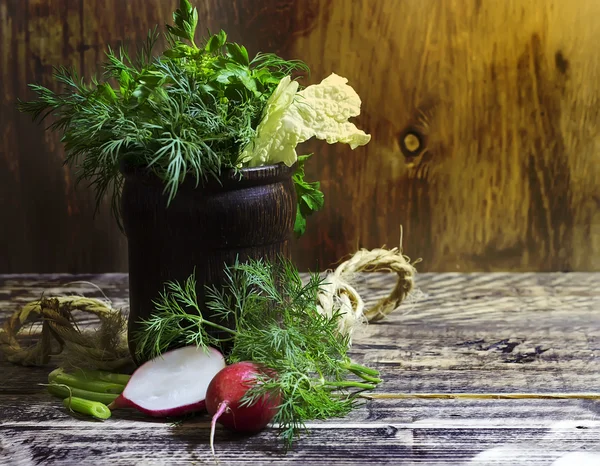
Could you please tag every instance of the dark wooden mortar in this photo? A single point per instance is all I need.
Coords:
(203, 228)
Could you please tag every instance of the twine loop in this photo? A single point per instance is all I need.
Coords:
(339, 293)
(104, 348)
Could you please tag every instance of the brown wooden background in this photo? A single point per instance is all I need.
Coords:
(484, 118)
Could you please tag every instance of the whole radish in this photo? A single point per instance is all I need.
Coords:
(224, 395)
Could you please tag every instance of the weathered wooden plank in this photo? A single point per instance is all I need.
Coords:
(42, 410)
(424, 379)
(424, 442)
(484, 118)
(436, 288)
(518, 378)
(476, 333)
(48, 224)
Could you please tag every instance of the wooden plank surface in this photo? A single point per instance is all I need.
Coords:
(484, 117)
(485, 120)
(471, 333)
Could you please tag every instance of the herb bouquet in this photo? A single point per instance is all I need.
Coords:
(196, 148)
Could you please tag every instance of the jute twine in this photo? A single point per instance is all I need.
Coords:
(106, 348)
(103, 349)
(339, 292)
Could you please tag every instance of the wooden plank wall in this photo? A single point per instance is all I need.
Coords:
(484, 118)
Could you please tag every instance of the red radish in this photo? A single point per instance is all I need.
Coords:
(223, 398)
(172, 384)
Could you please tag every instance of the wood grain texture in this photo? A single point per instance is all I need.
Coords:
(484, 118)
(47, 221)
(468, 333)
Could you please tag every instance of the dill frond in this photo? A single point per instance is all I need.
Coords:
(276, 325)
(184, 113)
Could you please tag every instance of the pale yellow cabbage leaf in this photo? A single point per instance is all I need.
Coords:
(291, 117)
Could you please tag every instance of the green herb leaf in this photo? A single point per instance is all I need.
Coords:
(186, 20)
(179, 51)
(106, 92)
(194, 22)
(124, 82)
(309, 196)
(299, 224)
(216, 42)
(238, 53)
(222, 37)
(212, 45)
(144, 52)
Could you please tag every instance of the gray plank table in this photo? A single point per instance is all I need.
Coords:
(467, 336)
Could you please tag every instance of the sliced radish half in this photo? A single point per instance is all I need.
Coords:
(172, 384)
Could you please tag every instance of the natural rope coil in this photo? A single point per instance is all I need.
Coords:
(338, 293)
(104, 348)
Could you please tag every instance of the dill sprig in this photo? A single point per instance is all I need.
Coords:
(276, 324)
(184, 113)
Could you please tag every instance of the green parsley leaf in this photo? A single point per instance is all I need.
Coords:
(186, 20)
(238, 53)
(309, 196)
(185, 113)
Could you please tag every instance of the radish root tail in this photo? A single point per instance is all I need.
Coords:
(223, 406)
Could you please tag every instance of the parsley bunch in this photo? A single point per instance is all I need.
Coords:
(186, 112)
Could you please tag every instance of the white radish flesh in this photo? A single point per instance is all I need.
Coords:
(172, 384)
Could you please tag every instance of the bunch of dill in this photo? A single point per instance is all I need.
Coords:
(186, 112)
(276, 325)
